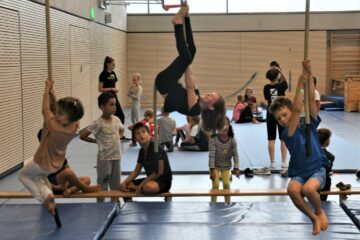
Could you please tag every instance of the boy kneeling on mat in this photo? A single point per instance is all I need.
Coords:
(158, 172)
(307, 173)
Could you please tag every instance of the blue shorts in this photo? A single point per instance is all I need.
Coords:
(320, 176)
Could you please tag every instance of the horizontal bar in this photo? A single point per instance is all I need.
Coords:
(206, 193)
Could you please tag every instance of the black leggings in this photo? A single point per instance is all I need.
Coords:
(119, 112)
(246, 115)
(167, 80)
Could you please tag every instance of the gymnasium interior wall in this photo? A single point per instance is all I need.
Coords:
(79, 47)
(230, 48)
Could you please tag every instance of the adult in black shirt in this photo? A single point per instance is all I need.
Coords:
(276, 88)
(108, 83)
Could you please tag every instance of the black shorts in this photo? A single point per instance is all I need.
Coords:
(164, 186)
(271, 125)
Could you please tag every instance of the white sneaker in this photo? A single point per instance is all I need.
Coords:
(285, 164)
(273, 164)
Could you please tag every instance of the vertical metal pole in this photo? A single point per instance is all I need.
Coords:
(306, 87)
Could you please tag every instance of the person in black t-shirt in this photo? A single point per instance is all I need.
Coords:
(108, 83)
(276, 88)
(187, 100)
(157, 168)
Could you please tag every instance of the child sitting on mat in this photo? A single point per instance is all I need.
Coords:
(242, 112)
(107, 130)
(157, 168)
(324, 135)
(307, 172)
(58, 131)
(187, 100)
(223, 148)
(66, 182)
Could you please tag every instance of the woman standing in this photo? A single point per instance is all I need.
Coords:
(108, 83)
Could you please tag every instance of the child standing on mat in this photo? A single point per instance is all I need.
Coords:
(157, 168)
(135, 93)
(58, 131)
(273, 90)
(187, 100)
(307, 173)
(324, 135)
(223, 148)
(107, 130)
(108, 83)
(167, 130)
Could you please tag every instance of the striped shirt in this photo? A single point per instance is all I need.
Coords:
(221, 153)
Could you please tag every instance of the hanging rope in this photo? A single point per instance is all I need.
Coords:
(49, 66)
(306, 87)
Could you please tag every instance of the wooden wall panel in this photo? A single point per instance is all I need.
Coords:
(28, 70)
(80, 69)
(142, 58)
(226, 60)
(11, 146)
(344, 58)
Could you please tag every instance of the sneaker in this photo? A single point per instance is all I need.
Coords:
(262, 171)
(285, 164)
(273, 164)
(248, 173)
(284, 173)
(343, 186)
(132, 144)
(123, 138)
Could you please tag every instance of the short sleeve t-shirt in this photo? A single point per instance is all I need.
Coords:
(107, 137)
(271, 92)
(151, 164)
(300, 164)
(108, 79)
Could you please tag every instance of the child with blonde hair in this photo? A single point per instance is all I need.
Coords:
(135, 92)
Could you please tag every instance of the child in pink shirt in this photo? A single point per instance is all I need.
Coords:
(58, 131)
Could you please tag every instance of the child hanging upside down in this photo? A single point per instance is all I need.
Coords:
(187, 100)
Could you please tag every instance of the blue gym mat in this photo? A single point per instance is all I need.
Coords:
(32, 221)
(270, 220)
(252, 148)
(352, 208)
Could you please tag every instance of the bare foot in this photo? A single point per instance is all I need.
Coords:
(50, 203)
(178, 19)
(254, 121)
(67, 192)
(92, 188)
(316, 226)
(323, 220)
(184, 11)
